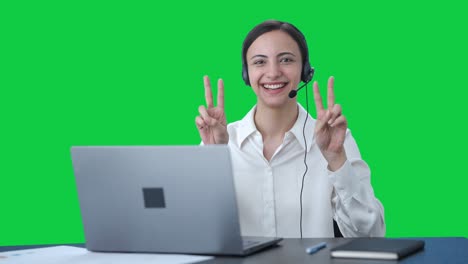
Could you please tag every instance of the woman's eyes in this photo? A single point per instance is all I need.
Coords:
(286, 60)
(282, 60)
(259, 62)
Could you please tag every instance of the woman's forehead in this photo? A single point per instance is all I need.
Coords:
(273, 43)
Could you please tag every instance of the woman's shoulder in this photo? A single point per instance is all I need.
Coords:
(235, 126)
(246, 123)
(239, 130)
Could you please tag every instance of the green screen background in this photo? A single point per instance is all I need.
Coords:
(94, 73)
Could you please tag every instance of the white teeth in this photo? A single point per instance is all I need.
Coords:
(274, 86)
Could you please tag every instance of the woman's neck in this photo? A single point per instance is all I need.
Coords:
(275, 122)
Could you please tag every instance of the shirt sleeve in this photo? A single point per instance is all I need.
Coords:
(357, 211)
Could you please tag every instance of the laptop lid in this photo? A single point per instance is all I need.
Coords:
(172, 199)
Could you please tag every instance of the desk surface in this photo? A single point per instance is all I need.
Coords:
(436, 250)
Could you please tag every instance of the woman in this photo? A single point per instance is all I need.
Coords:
(292, 176)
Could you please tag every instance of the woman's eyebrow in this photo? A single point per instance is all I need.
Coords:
(259, 55)
(279, 55)
(286, 53)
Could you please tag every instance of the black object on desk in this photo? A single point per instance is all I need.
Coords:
(378, 248)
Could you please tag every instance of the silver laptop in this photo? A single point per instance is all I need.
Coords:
(167, 199)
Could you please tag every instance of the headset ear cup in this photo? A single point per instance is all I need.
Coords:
(245, 76)
(307, 73)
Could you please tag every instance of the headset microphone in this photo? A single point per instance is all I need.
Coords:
(306, 77)
(293, 93)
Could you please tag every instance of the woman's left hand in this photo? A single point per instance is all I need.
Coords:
(330, 128)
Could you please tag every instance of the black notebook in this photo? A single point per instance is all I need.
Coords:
(377, 248)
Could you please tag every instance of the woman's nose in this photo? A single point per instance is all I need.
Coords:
(273, 71)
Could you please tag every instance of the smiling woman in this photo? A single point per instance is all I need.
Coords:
(273, 146)
(274, 67)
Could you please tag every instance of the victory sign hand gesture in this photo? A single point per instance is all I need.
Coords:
(211, 122)
(330, 128)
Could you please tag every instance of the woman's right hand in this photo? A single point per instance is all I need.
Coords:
(211, 122)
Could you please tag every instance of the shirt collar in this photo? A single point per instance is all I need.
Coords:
(248, 127)
(298, 126)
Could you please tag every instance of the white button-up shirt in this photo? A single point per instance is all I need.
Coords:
(268, 192)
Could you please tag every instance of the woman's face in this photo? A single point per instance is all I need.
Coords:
(274, 65)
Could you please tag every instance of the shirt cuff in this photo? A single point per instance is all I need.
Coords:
(345, 182)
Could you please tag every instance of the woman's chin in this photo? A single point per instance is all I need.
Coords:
(277, 102)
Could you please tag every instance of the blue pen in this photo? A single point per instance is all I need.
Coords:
(313, 249)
